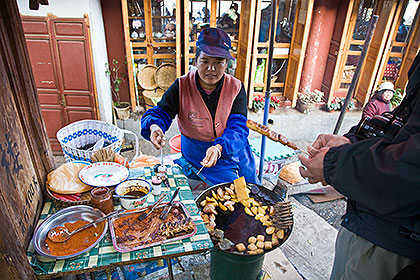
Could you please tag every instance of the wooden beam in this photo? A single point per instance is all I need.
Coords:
(24, 148)
(128, 54)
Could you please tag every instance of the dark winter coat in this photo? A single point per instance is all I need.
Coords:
(376, 106)
(381, 179)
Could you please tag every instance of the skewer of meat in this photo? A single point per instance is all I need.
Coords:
(277, 137)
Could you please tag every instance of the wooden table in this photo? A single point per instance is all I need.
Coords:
(104, 256)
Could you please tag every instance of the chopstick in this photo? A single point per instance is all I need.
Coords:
(200, 169)
(161, 152)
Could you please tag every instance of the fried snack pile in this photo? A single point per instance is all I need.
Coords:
(265, 231)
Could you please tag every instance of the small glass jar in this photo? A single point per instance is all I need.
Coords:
(102, 199)
(156, 185)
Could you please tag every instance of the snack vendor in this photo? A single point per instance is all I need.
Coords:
(211, 107)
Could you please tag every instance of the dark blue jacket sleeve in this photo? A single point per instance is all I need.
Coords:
(162, 114)
(234, 136)
(157, 116)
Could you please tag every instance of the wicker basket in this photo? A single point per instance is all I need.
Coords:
(79, 134)
(146, 77)
(165, 75)
(152, 97)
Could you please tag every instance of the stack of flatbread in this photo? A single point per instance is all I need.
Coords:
(290, 173)
(65, 179)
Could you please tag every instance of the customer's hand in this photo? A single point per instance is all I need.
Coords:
(326, 140)
(157, 137)
(212, 155)
(314, 171)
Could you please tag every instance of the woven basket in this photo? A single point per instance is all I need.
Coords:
(146, 77)
(165, 75)
(79, 134)
(152, 97)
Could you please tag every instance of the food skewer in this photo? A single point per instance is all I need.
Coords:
(276, 137)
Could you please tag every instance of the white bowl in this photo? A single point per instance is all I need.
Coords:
(131, 185)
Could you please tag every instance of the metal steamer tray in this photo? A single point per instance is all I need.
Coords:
(239, 226)
(66, 215)
(137, 244)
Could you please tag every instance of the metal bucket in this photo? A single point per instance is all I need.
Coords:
(229, 266)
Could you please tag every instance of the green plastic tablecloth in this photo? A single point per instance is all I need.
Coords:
(104, 254)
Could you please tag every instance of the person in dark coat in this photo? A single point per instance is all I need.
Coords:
(381, 179)
(380, 101)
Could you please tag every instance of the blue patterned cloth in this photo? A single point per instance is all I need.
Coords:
(273, 150)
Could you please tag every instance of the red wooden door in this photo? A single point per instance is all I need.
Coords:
(59, 50)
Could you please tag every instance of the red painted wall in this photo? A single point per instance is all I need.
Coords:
(114, 34)
(322, 26)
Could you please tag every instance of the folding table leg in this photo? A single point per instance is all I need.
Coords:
(171, 275)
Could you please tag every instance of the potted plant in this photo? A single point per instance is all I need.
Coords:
(307, 99)
(117, 78)
(274, 103)
(338, 102)
(258, 103)
(335, 105)
(350, 106)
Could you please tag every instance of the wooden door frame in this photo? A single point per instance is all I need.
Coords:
(53, 42)
(246, 34)
(362, 94)
(293, 95)
(401, 79)
(129, 55)
(410, 53)
(88, 48)
(349, 24)
(255, 56)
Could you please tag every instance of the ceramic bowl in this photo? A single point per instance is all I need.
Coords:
(133, 185)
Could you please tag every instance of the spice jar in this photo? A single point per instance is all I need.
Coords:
(102, 199)
(156, 185)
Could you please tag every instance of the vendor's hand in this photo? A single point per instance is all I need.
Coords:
(157, 137)
(314, 171)
(212, 155)
(326, 140)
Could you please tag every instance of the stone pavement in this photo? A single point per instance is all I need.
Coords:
(308, 253)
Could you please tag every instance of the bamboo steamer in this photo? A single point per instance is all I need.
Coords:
(165, 75)
(146, 77)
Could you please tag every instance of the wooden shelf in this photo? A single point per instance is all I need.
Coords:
(149, 44)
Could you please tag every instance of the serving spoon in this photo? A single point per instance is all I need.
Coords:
(60, 234)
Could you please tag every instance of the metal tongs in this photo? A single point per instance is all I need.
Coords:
(167, 209)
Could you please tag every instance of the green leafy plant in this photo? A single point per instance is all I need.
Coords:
(117, 78)
(308, 96)
(351, 106)
(274, 102)
(396, 98)
(337, 103)
(258, 103)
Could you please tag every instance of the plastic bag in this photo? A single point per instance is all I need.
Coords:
(259, 74)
